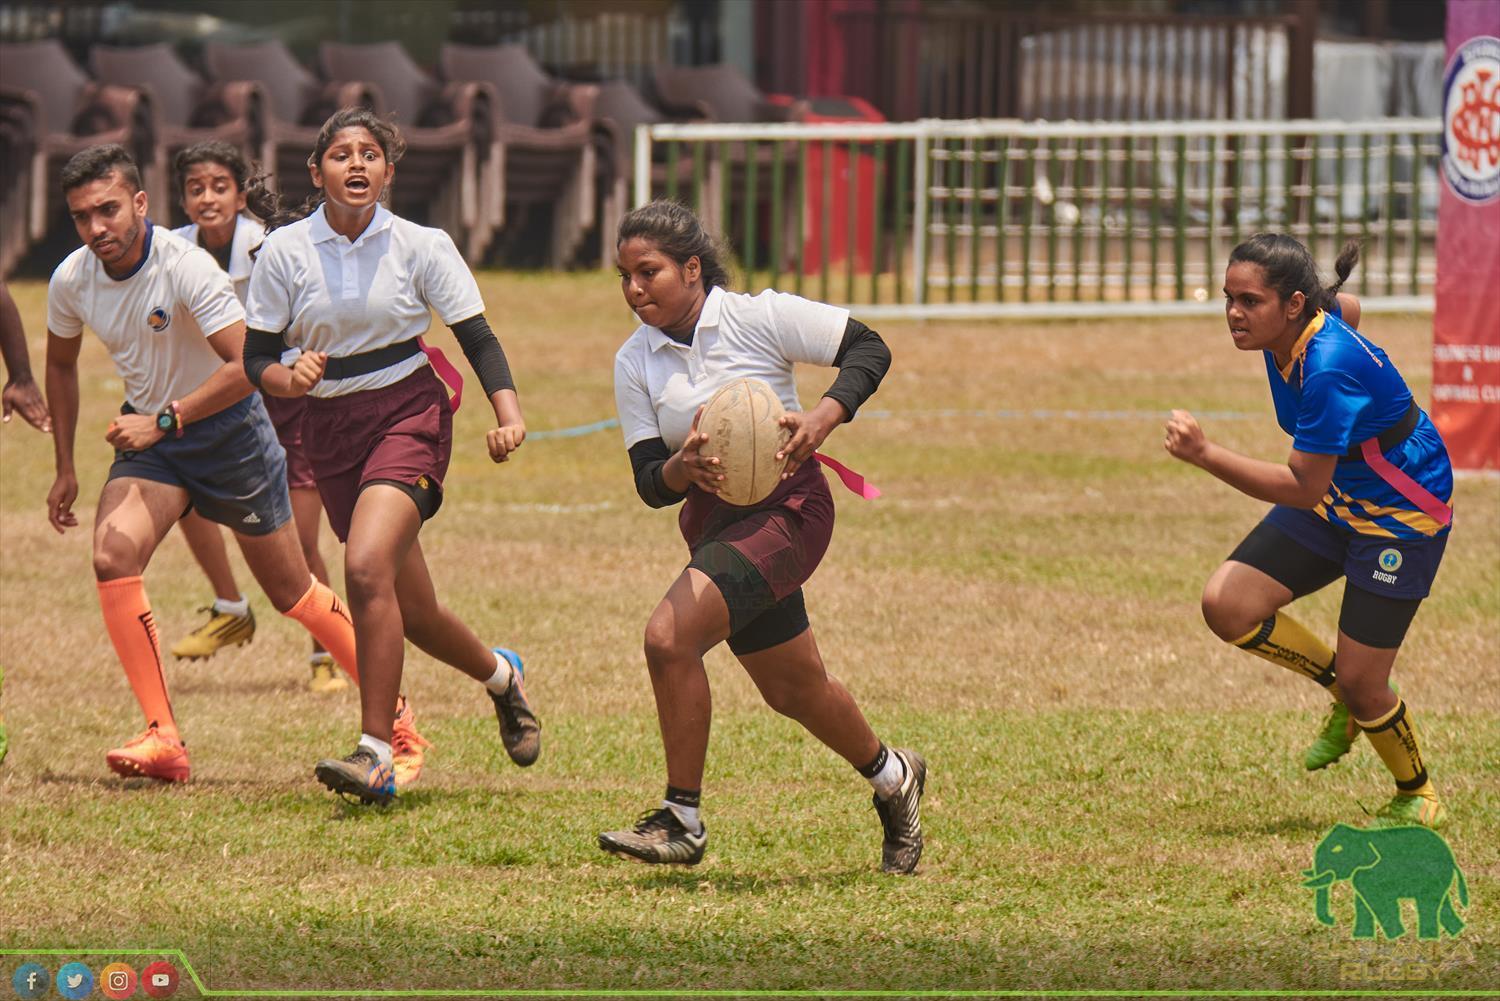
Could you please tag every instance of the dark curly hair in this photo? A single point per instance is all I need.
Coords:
(679, 234)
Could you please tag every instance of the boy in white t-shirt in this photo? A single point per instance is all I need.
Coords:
(191, 435)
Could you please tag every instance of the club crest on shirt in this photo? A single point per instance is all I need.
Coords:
(158, 319)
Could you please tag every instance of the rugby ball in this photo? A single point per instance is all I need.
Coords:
(742, 421)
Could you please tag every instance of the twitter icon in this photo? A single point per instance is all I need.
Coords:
(75, 981)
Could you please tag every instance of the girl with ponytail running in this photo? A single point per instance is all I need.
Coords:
(1364, 495)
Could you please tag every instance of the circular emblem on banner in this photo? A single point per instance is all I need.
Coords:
(1471, 120)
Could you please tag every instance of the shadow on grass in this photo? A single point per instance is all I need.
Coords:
(747, 884)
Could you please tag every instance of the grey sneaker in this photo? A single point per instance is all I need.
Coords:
(901, 817)
(659, 838)
(520, 731)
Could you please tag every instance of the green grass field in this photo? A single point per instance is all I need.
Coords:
(1116, 800)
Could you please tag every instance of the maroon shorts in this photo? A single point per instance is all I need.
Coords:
(401, 433)
(784, 537)
(286, 415)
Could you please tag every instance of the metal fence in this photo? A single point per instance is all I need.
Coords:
(1018, 218)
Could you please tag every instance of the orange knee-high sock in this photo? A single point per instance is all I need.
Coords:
(322, 613)
(132, 629)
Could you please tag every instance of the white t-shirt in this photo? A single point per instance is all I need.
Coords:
(155, 321)
(323, 293)
(660, 384)
(247, 236)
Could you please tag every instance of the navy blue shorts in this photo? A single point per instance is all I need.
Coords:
(230, 464)
(1394, 568)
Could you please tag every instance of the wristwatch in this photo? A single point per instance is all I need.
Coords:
(169, 421)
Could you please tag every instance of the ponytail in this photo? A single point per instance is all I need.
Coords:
(1289, 268)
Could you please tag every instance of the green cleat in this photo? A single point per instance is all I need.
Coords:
(1333, 741)
(1338, 735)
(1411, 811)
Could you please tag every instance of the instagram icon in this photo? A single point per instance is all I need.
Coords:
(117, 980)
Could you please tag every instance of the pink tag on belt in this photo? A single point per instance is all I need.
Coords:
(445, 370)
(854, 481)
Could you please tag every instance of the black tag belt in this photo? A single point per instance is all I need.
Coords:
(350, 366)
(1391, 436)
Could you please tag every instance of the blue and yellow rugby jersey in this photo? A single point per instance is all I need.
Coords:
(1339, 390)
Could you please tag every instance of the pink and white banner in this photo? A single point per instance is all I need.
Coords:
(1466, 320)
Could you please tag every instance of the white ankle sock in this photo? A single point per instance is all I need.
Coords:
(887, 781)
(239, 608)
(499, 682)
(381, 748)
(687, 814)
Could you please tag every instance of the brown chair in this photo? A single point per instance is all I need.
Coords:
(18, 144)
(188, 110)
(544, 131)
(451, 174)
(297, 104)
(67, 113)
(718, 93)
(618, 109)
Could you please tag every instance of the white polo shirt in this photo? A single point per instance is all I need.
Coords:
(155, 321)
(660, 384)
(248, 233)
(324, 293)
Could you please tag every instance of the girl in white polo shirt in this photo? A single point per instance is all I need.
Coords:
(219, 190)
(353, 287)
(744, 580)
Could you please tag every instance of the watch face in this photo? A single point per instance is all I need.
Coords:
(165, 422)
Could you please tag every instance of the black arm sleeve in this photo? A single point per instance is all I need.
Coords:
(646, 460)
(862, 362)
(262, 350)
(485, 354)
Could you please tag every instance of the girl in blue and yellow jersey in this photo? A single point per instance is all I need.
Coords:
(1364, 496)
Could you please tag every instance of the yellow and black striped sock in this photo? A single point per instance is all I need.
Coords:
(1286, 642)
(1395, 740)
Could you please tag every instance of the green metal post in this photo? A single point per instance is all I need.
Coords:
(1052, 180)
(1129, 264)
(1179, 239)
(802, 192)
(1103, 249)
(778, 207)
(1390, 215)
(851, 246)
(1002, 169)
(750, 214)
(903, 199)
(1155, 217)
(878, 221)
(826, 230)
(1078, 219)
(975, 172)
(1028, 202)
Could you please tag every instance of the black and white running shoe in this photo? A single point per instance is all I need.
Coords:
(901, 817)
(659, 838)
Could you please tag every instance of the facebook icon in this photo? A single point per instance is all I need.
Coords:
(30, 981)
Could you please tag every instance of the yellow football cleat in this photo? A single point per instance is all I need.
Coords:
(408, 747)
(326, 675)
(221, 630)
